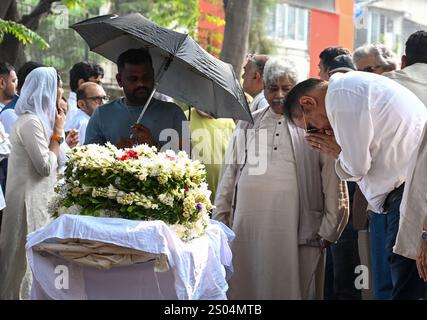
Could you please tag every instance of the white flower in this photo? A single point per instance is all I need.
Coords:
(166, 199)
(179, 229)
(112, 192)
(143, 178)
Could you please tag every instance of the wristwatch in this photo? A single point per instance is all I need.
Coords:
(424, 236)
(58, 139)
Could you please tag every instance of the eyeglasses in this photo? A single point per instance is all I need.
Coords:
(306, 128)
(99, 99)
(370, 69)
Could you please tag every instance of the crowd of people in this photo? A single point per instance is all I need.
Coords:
(323, 159)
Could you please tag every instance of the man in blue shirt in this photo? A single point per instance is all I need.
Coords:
(115, 122)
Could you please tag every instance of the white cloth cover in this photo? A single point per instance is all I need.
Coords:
(197, 268)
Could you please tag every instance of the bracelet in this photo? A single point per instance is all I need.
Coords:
(57, 138)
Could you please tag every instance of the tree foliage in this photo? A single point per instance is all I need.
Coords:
(22, 33)
(258, 42)
(17, 30)
(181, 15)
(176, 15)
(66, 47)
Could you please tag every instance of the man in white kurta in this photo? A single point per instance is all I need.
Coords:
(414, 205)
(282, 201)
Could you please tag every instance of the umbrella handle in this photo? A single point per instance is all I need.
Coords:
(146, 105)
(148, 102)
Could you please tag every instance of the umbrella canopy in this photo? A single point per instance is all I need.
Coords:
(183, 69)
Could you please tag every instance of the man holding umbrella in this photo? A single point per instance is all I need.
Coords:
(116, 122)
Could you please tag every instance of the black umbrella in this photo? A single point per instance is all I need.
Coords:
(183, 69)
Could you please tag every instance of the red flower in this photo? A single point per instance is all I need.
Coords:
(123, 158)
(129, 154)
(133, 154)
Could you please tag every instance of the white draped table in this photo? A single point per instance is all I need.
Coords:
(198, 269)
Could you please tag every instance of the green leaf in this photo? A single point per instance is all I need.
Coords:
(22, 33)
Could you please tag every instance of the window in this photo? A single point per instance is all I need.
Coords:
(384, 29)
(287, 22)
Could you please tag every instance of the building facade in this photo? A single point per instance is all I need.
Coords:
(300, 30)
(389, 22)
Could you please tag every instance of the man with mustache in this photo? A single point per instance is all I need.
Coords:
(283, 201)
(115, 122)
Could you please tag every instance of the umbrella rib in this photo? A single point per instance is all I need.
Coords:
(122, 33)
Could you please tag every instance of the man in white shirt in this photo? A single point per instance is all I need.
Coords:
(377, 125)
(253, 83)
(80, 73)
(90, 96)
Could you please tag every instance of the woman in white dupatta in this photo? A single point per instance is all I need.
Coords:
(35, 140)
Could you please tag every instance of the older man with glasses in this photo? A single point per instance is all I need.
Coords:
(284, 201)
(374, 58)
(90, 96)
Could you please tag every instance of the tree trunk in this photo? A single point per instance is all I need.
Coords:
(4, 7)
(236, 32)
(11, 50)
(42, 9)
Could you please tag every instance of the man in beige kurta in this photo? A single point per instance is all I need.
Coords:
(414, 203)
(281, 199)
